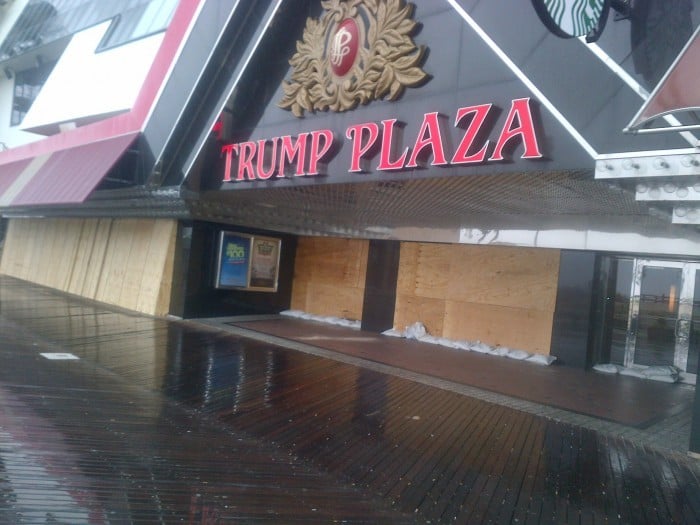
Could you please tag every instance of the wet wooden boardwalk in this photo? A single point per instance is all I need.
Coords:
(620, 399)
(167, 422)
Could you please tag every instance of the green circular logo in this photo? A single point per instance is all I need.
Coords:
(573, 18)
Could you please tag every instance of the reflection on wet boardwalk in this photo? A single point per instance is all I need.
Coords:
(179, 422)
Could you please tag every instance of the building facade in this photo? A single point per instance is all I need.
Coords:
(512, 174)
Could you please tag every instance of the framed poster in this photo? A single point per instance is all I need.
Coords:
(248, 262)
(233, 263)
(264, 264)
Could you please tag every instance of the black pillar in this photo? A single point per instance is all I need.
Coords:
(572, 314)
(380, 285)
(695, 426)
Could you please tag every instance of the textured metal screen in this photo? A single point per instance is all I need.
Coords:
(451, 202)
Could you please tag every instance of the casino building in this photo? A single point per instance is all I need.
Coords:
(524, 174)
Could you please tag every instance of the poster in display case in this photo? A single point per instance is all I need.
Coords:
(247, 262)
(264, 264)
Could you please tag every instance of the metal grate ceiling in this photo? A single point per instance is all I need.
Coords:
(447, 203)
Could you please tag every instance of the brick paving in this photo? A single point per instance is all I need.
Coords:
(173, 421)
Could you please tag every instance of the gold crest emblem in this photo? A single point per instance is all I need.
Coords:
(356, 52)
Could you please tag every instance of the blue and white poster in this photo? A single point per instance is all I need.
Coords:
(234, 260)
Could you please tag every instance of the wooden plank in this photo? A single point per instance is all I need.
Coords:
(518, 328)
(445, 462)
(117, 254)
(409, 476)
(533, 466)
(167, 235)
(408, 266)
(362, 457)
(33, 244)
(329, 276)
(331, 261)
(345, 453)
(450, 489)
(433, 270)
(43, 248)
(23, 234)
(98, 253)
(69, 232)
(139, 272)
(30, 246)
(300, 292)
(492, 503)
(13, 248)
(450, 287)
(504, 276)
(326, 299)
(81, 262)
(410, 308)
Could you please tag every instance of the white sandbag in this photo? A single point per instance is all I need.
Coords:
(632, 372)
(518, 354)
(415, 331)
(449, 343)
(607, 368)
(661, 371)
(664, 379)
(540, 359)
(482, 348)
(392, 332)
(500, 351)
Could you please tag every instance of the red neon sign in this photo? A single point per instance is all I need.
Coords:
(308, 153)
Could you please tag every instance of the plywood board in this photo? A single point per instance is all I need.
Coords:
(136, 266)
(126, 262)
(410, 309)
(515, 277)
(300, 291)
(433, 270)
(327, 299)
(331, 260)
(408, 265)
(12, 250)
(65, 248)
(329, 276)
(98, 253)
(517, 328)
(82, 256)
(484, 293)
(114, 270)
(157, 276)
(23, 245)
(31, 245)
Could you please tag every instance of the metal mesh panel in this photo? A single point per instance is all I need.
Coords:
(449, 202)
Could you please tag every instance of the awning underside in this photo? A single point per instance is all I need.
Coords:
(66, 176)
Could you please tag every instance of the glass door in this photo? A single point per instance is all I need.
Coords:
(660, 323)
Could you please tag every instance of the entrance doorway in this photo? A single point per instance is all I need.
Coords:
(655, 315)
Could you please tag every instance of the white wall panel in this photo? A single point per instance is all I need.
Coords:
(86, 86)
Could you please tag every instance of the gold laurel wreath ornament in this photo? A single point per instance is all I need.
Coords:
(387, 62)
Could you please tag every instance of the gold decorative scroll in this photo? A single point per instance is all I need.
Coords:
(388, 60)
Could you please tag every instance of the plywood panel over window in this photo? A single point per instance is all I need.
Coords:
(498, 295)
(329, 276)
(125, 262)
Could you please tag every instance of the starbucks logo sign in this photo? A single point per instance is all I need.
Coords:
(574, 18)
